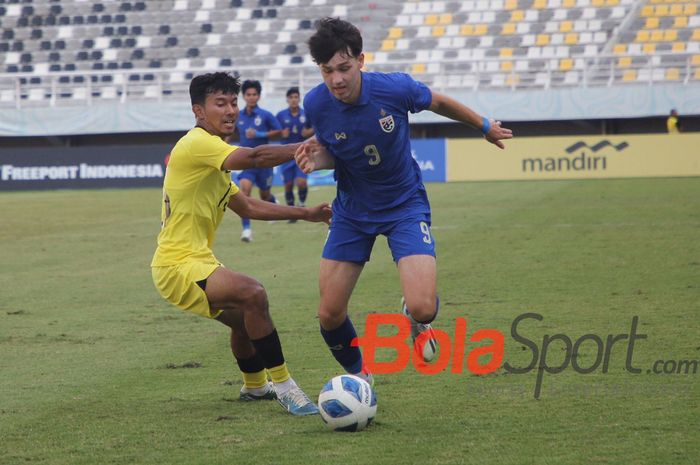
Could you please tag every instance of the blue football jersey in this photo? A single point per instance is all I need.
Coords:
(258, 119)
(378, 179)
(295, 124)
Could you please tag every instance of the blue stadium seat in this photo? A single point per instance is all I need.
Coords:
(106, 19)
(206, 28)
(139, 6)
(96, 55)
(136, 30)
(98, 65)
(27, 69)
(263, 2)
(98, 8)
(22, 21)
(193, 52)
(4, 47)
(149, 77)
(54, 56)
(122, 30)
(37, 34)
(134, 77)
(50, 20)
(171, 41)
(82, 55)
(25, 58)
(78, 19)
(27, 10)
(37, 21)
(64, 79)
(8, 34)
(35, 80)
(106, 78)
(64, 20)
(18, 46)
(305, 24)
(290, 49)
(130, 42)
(78, 79)
(225, 62)
(271, 13)
(92, 19)
(54, 68)
(108, 31)
(59, 45)
(112, 65)
(44, 45)
(69, 67)
(12, 69)
(88, 43)
(127, 65)
(125, 6)
(154, 64)
(56, 9)
(257, 14)
(164, 29)
(297, 60)
(120, 18)
(236, 3)
(115, 43)
(137, 54)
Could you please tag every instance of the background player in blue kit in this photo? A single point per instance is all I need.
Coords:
(255, 127)
(295, 128)
(361, 124)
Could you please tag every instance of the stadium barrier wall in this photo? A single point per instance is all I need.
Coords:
(82, 167)
(440, 160)
(590, 157)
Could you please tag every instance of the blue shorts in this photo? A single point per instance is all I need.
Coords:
(261, 177)
(291, 171)
(351, 241)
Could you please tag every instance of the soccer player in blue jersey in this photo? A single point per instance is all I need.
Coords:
(361, 124)
(295, 128)
(255, 127)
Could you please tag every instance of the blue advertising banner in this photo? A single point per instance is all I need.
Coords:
(430, 155)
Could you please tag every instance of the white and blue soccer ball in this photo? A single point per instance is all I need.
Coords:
(347, 403)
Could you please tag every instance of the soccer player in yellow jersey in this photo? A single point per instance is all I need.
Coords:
(672, 124)
(196, 191)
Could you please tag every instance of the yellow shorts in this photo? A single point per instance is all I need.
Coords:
(178, 285)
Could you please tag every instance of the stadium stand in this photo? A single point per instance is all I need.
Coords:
(73, 51)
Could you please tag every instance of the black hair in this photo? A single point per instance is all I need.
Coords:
(334, 35)
(292, 90)
(248, 84)
(206, 84)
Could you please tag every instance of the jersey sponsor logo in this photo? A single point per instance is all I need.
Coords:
(302, 119)
(387, 123)
(340, 136)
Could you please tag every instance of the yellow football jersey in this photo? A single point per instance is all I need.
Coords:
(195, 194)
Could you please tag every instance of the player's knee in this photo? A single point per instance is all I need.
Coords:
(256, 298)
(422, 309)
(330, 317)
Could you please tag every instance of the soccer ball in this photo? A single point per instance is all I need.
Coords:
(347, 403)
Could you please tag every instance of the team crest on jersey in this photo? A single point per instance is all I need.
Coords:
(387, 123)
(258, 121)
(302, 119)
(340, 136)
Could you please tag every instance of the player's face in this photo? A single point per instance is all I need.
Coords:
(251, 97)
(343, 77)
(293, 101)
(219, 114)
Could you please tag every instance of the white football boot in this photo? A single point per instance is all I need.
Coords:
(431, 346)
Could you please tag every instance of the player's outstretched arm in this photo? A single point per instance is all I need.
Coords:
(256, 209)
(262, 156)
(312, 156)
(451, 108)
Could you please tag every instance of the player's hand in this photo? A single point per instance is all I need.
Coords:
(285, 133)
(497, 133)
(250, 133)
(304, 155)
(320, 213)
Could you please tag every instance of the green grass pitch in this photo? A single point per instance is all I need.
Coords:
(94, 364)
